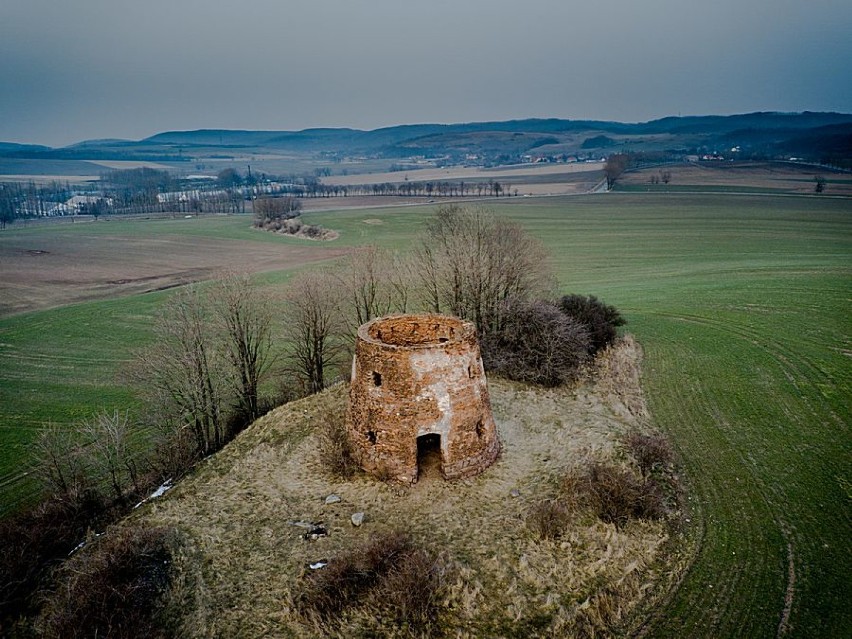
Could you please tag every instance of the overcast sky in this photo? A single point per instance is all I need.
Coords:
(81, 69)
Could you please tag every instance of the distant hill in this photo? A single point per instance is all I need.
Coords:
(13, 147)
(815, 136)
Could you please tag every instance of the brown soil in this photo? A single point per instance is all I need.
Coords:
(474, 174)
(527, 179)
(789, 178)
(241, 508)
(58, 270)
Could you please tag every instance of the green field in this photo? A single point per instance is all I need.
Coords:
(742, 304)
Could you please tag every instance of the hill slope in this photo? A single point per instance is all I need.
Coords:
(244, 507)
(770, 134)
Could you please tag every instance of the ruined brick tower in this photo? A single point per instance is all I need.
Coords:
(418, 388)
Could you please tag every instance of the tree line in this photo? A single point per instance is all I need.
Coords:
(27, 199)
(146, 191)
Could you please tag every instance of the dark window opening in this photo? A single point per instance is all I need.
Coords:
(480, 429)
(443, 339)
(377, 378)
(371, 435)
(429, 455)
(470, 372)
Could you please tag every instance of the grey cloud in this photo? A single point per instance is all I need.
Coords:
(122, 68)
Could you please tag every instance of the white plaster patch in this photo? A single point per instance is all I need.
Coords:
(439, 393)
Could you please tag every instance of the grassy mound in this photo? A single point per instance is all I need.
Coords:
(249, 510)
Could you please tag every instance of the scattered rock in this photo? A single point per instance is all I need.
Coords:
(515, 492)
(322, 563)
(332, 499)
(357, 519)
(318, 530)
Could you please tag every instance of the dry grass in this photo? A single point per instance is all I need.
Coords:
(387, 578)
(617, 371)
(241, 508)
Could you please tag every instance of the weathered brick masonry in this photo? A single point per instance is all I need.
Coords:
(420, 376)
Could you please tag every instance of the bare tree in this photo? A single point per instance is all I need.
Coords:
(819, 184)
(363, 280)
(182, 372)
(401, 280)
(60, 462)
(313, 327)
(244, 315)
(616, 164)
(373, 282)
(470, 262)
(268, 210)
(108, 446)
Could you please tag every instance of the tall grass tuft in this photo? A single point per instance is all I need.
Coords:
(652, 452)
(388, 576)
(336, 452)
(548, 519)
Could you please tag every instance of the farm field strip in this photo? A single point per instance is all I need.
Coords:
(466, 173)
(742, 306)
(43, 266)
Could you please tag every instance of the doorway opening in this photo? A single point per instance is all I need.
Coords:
(429, 456)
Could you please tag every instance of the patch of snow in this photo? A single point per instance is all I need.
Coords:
(77, 547)
(83, 543)
(161, 490)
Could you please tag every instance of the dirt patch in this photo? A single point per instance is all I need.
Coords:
(131, 164)
(464, 173)
(80, 267)
(244, 509)
(788, 178)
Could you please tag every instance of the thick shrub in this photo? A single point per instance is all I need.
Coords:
(548, 519)
(601, 320)
(536, 343)
(388, 576)
(614, 494)
(112, 588)
(31, 541)
(270, 211)
(652, 452)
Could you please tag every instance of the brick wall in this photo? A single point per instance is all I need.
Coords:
(416, 375)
